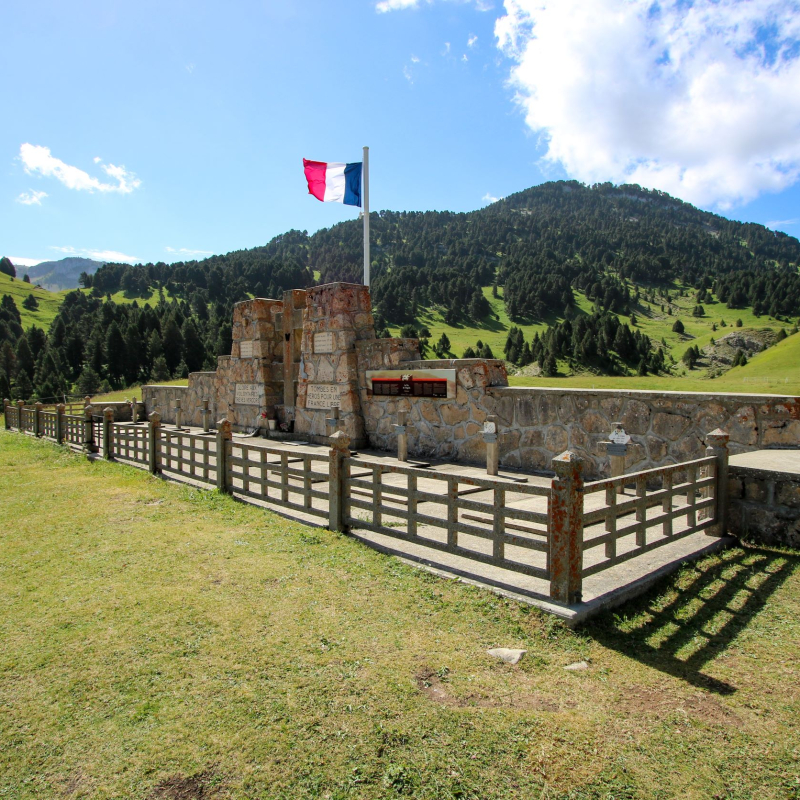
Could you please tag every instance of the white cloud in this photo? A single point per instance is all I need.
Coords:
(472, 40)
(31, 198)
(699, 100)
(446, 51)
(36, 158)
(414, 59)
(185, 251)
(97, 255)
(774, 224)
(19, 261)
(464, 57)
(97, 159)
(490, 198)
(190, 68)
(395, 5)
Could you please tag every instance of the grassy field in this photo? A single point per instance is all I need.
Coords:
(164, 642)
(49, 302)
(774, 371)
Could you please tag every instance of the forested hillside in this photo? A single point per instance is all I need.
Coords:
(581, 263)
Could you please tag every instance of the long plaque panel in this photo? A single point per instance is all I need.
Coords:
(249, 394)
(323, 342)
(246, 348)
(322, 395)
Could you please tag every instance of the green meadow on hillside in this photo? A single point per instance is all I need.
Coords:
(164, 642)
(49, 302)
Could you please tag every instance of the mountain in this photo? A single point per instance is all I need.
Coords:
(63, 274)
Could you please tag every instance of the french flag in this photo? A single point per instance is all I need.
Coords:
(334, 182)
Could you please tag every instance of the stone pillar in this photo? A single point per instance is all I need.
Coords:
(60, 411)
(288, 349)
(402, 436)
(108, 419)
(37, 418)
(718, 447)
(6, 406)
(565, 529)
(20, 406)
(337, 473)
(154, 449)
(492, 447)
(88, 430)
(616, 450)
(87, 401)
(224, 435)
(134, 411)
(205, 412)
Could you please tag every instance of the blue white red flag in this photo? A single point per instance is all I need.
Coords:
(334, 182)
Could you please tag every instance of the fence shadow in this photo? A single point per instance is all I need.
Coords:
(690, 619)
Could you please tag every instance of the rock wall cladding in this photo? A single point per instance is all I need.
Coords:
(202, 386)
(535, 425)
(764, 507)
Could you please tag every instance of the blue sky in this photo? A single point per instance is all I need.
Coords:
(159, 131)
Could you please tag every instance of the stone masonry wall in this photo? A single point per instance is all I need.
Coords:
(202, 386)
(764, 506)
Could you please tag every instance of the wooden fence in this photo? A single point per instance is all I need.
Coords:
(567, 532)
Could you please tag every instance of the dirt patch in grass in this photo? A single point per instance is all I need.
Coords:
(658, 702)
(201, 786)
(433, 684)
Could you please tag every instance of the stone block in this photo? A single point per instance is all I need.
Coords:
(473, 450)
(670, 426)
(508, 441)
(548, 409)
(785, 433)
(465, 378)
(755, 490)
(532, 437)
(735, 488)
(525, 412)
(788, 493)
(742, 426)
(636, 418)
(453, 414)
(557, 439)
(473, 429)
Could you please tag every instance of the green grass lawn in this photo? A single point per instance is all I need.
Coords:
(773, 371)
(49, 302)
(160, 641)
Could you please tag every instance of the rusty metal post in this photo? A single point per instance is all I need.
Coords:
(337, 473)
(718, 447)
(60, 411)
(224, 435)
(108, 420)
(88, 430)
(401, 430)
(153, 443)
(492, 448)
(37, 418)
(565, 529)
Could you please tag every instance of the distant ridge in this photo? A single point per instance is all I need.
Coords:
(62, 274)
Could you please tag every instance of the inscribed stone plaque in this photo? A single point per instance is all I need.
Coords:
(249, 394)
(323, 342)
(246, 348)
(322, 395)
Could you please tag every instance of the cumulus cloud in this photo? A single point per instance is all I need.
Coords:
(97, 255)
(395, 5)
(699, 100)
(21, 261)
(38, 159)
(31, 198)
(490, 198)
(472, 41)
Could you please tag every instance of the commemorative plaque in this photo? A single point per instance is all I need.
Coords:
(323, 342)
(249, 394)
(322, 395)
(246, 349)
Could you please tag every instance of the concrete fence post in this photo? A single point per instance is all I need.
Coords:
(178, 415)
(108, 420)
(60, 411)
(20, 406)
(37, 418)
(492, 448)
(224, 435)
(87, 401)
(88, 430)
(6, 406)
(134, 411)
(205, 411)
(565, 529)
(153, 443)
(718, 447)
(332, 422)
(340, 442)
(401, 430)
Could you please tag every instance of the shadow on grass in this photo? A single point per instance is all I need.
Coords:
(680, 627)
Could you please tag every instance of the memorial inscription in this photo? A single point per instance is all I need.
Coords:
(249, 394)
(322, 395)
(246, 348)
(323, 342)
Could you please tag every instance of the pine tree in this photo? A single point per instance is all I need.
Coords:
(193, 350)
(172, 342)
(115, 352)
(23, 388)
(88, 382)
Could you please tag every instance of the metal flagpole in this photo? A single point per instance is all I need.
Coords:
(365, 179)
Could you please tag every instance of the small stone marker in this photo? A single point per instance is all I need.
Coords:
(507, 654)
(578, 666)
